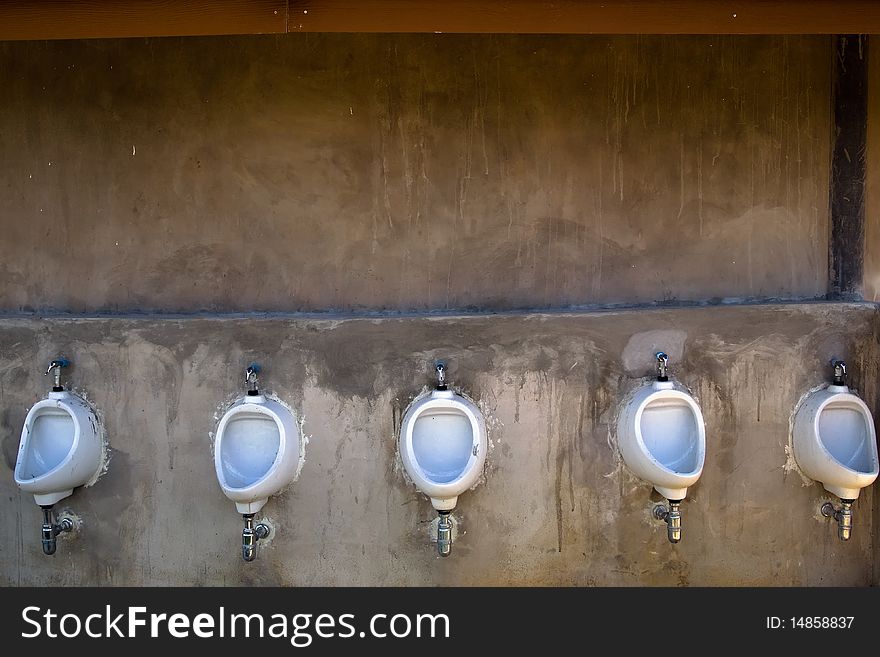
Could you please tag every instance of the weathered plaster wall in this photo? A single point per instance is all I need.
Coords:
(872, 208)
(314, 172)
(425, 173)
(556, 506)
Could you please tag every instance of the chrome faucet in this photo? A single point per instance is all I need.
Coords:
(672, 518)
(56, 365)
(444, 534)
(662, 363)
(440, 366)
(250, 378)
(843, 516)
(250, 535)
(839, 378)
(51, 529)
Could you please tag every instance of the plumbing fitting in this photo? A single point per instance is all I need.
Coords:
(51, 529)
(672, 518)
(444, 534)
(56, 366)
(839, 372)
(662, 363)
(440, 366)
(843, 516)
(250, 379)
(250, 535)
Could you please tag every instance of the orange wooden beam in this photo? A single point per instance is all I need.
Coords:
(81, 19)
(588, 16)
(90, 19)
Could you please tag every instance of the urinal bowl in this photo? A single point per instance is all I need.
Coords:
(835, 441)
(662, 438)
(60, 448)
(443, 446)
(256, 451)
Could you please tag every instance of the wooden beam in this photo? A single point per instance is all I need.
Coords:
(82, 19)
(587, 16)
(872, 198)
(846, 246)
(90, 19)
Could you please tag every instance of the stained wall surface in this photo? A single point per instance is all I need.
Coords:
(411, 172)
(556, 505)
(386, 184)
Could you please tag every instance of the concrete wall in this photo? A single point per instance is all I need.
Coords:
(314, 172)
(872, 208)
(556, 506)
(424, 173)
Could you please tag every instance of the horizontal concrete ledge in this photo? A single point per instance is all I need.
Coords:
(597, 309)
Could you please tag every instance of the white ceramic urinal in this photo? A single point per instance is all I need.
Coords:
(257, 451)
(835, 443)
(61, 448)
(662, 438)
(443, 448)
